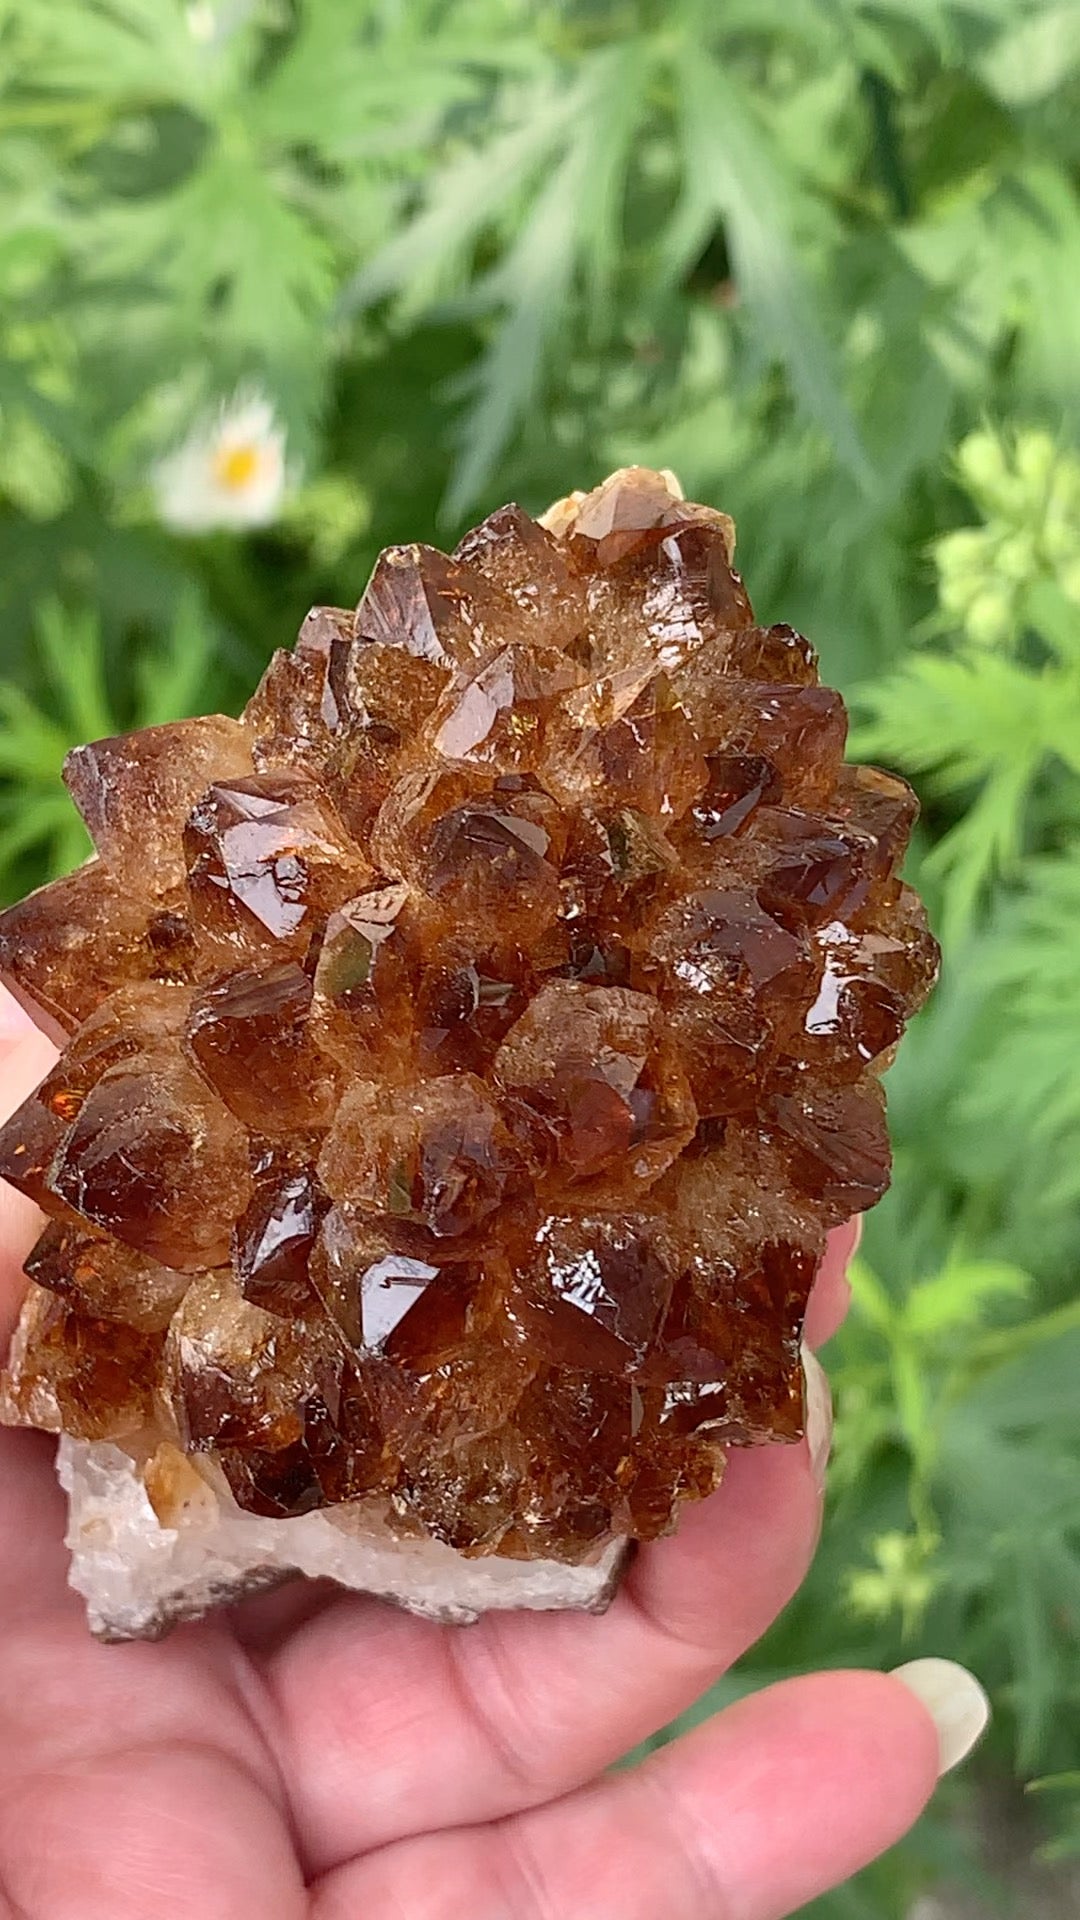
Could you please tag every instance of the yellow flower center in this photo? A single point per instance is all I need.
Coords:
(235, 467)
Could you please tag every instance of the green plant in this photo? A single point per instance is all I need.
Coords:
(994, 721)
(1067, 1844)
(37, 821)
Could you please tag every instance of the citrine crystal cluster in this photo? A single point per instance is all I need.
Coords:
(468, 1049)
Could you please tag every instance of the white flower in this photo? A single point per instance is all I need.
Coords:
(211, 24)
(229, 473)
(201, 21)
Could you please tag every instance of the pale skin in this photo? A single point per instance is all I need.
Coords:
(313, 1756)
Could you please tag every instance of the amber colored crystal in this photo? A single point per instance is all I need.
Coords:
(512, 715)
(29, 1143)
(361, 979)
(267, 858)
(132, 1020)
(274, 1238)
(66, 947)
(249, 1034)
(381, 698)
(438, 1155)
(438, 609)
(390, 1294)
(607, 1093)
(135, 792)
(236, 1373)
(100, 1277)
(469, 1048)
(292, 716)
(522, 560)
(156, 1159)
(592, 1289)
(69, 1372)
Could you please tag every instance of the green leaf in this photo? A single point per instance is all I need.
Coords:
(462, 199)
(387, 94)
(34, 470)
(534, 280)
(1027, 1081)
(169, 682)
(959, 720)
(612, 112)
(33, 822)
(123, 49)
(956, 1297)
(232, 261)
(31, 745)
(985, 843)
(731, 171)
(70, 645)
(871, 1297)
(1034, 58)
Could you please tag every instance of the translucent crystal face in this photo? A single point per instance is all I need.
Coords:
(471, 1045)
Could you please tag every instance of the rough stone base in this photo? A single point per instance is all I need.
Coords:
(139, 1578)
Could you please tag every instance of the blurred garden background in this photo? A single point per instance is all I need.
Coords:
(282, 281)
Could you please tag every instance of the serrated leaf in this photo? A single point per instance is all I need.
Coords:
(117, 48)
(958, 719)
(984, 843)
(463, 197)
(574, 218)
(229, 252)
(613, 110)
(385, 94)
(1033, 1391)
(534, 280)
(731, 171)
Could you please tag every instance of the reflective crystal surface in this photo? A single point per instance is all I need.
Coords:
(470, 1047)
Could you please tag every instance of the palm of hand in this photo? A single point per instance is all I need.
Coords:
(321, 1756)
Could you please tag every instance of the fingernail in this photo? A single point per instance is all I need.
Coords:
(955, 1701)
(819, 1417)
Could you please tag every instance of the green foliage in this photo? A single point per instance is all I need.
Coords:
(986, 720)
(1066, 1845)
(37, 820)
(820, 256)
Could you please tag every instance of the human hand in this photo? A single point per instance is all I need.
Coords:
(316, 1756)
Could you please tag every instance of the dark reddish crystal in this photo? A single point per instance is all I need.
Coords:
(158, 1161)
(274, 1238)
(470, 1047)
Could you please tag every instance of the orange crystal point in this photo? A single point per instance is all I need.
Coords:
(469, 1047)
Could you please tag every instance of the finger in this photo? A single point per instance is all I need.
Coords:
(770, 1804)
(31, 1505)
(15, 1022)
(263, 1622)
(25, 1058)
(831, 1296)
(389, 1726)
(175, 1830)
